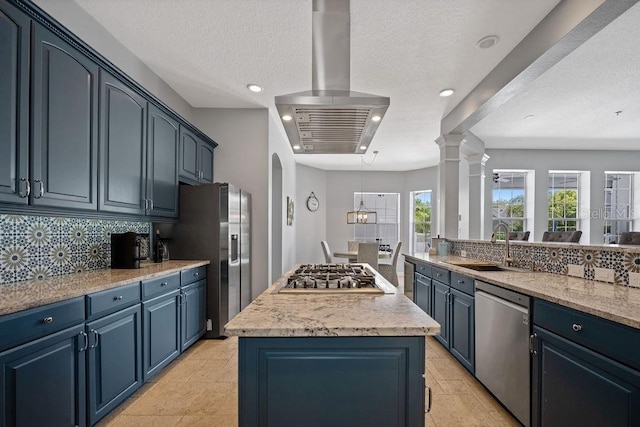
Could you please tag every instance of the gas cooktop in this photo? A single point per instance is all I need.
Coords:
(328, 278)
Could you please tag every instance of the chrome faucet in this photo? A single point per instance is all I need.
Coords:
(507, 260)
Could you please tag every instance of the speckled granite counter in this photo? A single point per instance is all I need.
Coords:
(34, 293)
(614, 302)
(286, 315)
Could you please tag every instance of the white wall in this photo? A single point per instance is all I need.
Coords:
(242, 159)
(78, 21)
(311, 227)
(541, 161)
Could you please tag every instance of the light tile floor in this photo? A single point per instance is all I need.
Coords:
(200, 389)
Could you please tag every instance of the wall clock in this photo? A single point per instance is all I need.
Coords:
(312, 202)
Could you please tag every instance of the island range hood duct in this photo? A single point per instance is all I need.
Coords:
(330, 118)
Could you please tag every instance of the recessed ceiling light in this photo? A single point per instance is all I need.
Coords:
(376, 118)
(529, 117)
(446, 92)
(363, 147)
(487, 42)
(286, 117)
(254, 87)
(296, 147)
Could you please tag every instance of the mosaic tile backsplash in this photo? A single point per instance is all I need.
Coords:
(556, 259)
(35, 247)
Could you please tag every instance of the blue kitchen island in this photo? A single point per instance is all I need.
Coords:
(339, 358)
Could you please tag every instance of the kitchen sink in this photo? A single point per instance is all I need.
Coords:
(478, 265)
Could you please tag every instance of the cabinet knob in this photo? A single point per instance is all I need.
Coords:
(196, 274)
(576, 327)
(118, 298)
(460, 282)
(48, 319)
(163, 284)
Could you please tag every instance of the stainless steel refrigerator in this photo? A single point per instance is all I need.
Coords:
(215, 224)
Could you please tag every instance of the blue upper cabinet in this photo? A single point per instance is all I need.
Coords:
(162, 163)
(64, 112)
(123, 132)
(196, 158)
(14, 105)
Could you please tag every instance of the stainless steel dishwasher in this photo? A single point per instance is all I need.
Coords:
(502, 347)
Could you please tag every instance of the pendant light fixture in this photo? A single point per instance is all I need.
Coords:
(362, 215)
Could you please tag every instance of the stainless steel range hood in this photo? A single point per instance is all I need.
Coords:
(330, 118)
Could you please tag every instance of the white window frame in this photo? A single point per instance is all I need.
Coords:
(613, 214)
(376, 232)
(579, 195)
(526, 209)
(414, 245)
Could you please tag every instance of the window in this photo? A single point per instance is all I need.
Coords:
(420, 221)
(387, 207)
(618, 205)
(563, 194)
(509, 200)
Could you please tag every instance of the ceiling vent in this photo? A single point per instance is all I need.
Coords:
(330, 118)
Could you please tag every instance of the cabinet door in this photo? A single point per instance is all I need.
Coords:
(422, 292)
(122, 147)
(162, 164)
(193, 312)
(161, 325)
(573, 385)
(462, 332)
(114, 360)
(206, 162)
(14, 105)
(42, 383)
(64, 117)
(189, 168)
(440, 306)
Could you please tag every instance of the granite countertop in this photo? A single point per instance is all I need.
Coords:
(20, 296)
(303, 315)
(613, 302)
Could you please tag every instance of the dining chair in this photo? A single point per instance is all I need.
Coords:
(519, 235)
(629, 238)
(352, 245)
(368, 252)
(562, 236)
(327, 252)
(388, 271)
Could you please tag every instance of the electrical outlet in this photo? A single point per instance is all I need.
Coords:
(463, 254)
(634, 279)
(575, 270)
(604, 275)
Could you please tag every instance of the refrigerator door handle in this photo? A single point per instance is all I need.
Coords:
(234, 248)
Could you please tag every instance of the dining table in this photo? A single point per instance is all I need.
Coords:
(352, 256)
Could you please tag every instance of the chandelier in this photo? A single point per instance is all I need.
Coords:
(362, 215)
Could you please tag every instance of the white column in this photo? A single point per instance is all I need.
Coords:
(477, 164)
(448, 182)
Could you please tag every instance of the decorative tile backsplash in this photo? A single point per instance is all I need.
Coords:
(33, 247)
(555, 259)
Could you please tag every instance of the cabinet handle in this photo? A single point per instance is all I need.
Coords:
(430, 399)
(198, 174)
(532, 347)
(164, 284)
(143, 202)
(118, 298)
(96, 338)
(439, 274)
(86, 342)
(576, 327)
(48, 319)
(41, 192)
(460, 282)
(150, 204)
(28, 188)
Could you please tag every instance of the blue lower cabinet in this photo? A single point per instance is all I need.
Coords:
(331, 381)
(42, 383)
(462, 331)
(422, 292)
(440, 306)
(114, 360)
(161, 324)
(575, 386)
(193, 312)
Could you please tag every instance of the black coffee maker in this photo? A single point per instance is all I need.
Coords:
(126, 250)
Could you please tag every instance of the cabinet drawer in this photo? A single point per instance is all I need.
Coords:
(462, 283)
(110, 300)
(24, 326)
(440, 274)
(160, 285)
(620, 342)
(424, 269)
(193, 275)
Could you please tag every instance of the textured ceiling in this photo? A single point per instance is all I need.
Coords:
(209, 50)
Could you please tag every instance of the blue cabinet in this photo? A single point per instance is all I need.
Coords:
(64, 115)
(193, 312)
(42, 382)
(422, 293)
(586, 370)
(462, 332)
(331, 381)
(114, 360)
(14, 105)
(196, 158)
(441, 310)
(162, 164)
